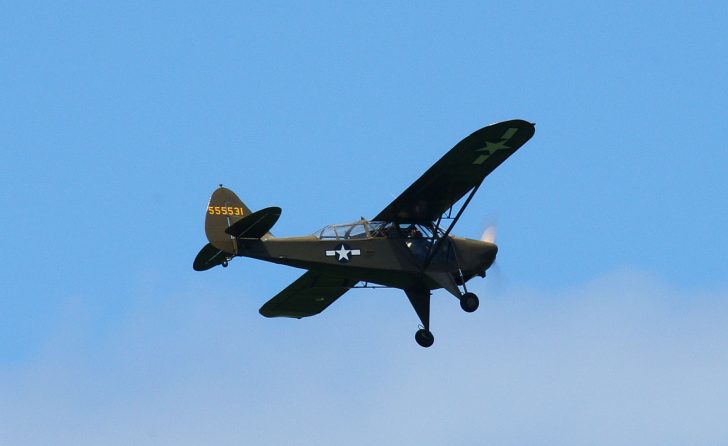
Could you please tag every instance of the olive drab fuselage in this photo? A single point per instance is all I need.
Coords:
(395, 262)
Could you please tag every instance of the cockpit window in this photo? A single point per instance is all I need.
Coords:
(384, 229)
(344, 231)
(401, 230)
(357, 231)
(373, 229)
(328, 232)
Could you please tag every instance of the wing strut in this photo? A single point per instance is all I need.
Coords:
(438, 242)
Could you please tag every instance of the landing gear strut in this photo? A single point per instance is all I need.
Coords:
(468, 301)
(420, 300)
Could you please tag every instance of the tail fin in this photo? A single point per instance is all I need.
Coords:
(223, 210)
(228, 219)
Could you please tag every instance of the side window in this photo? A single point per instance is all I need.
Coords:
(329, 232)
(356, 231)
(392, 230)
(376, 230)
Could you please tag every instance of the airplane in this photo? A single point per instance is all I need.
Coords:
(408, 245)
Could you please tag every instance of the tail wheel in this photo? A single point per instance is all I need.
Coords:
(469, 302)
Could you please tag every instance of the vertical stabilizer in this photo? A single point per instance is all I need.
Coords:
(223, 210)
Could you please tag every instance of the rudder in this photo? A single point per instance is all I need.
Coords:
(223, 210)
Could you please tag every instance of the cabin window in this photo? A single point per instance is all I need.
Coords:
(328, 232)
(357, 231)
(344, 231)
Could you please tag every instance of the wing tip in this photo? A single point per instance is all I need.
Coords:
(270, 314)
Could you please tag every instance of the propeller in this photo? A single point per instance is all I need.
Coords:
(497, 279)
(489, 234)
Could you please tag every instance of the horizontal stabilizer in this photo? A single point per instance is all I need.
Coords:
(255, 225)
(208, 257)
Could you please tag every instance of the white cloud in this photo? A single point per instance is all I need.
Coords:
(622, 360)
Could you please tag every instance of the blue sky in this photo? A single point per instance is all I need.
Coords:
(604, 322)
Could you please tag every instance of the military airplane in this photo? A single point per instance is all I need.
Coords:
(408, 245)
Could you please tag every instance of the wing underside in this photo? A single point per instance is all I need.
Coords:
(464, 167)
(310, 294)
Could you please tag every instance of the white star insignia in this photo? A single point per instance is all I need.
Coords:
(343, 253)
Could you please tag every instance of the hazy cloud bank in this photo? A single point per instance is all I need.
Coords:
(624, 359)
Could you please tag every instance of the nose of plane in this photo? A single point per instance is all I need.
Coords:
(489, 253)
(475, 256)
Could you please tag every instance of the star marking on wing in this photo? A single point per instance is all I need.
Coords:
(492, 147)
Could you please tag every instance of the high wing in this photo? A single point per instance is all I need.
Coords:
(464, 167)
(310, 294)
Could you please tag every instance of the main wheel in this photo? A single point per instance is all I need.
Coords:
(424, 337)
(469, 302)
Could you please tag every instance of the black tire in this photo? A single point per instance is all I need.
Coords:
(469, 302)
(424, 338)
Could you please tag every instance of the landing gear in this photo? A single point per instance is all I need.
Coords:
(420, 300)
(225, 264)
(469, 302)
(424, 337)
